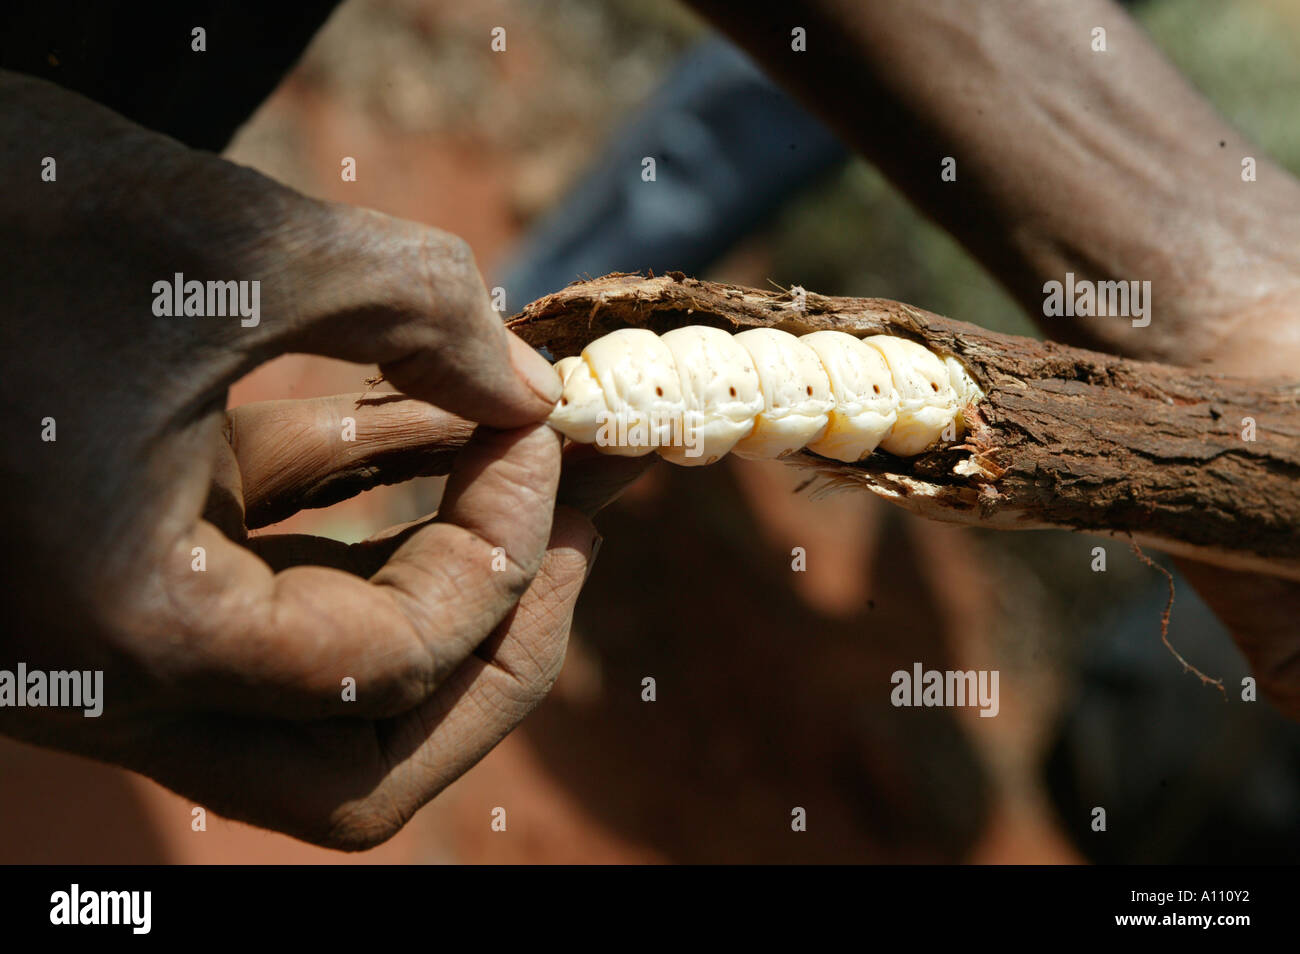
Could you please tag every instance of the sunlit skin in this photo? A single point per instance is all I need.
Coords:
(216, 681)
(215, 677)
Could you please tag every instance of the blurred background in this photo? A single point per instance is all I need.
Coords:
(772, 685)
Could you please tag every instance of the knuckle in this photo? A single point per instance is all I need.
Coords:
(517, 695)
(417, 675)
(450, 275)
(543, 669)
(450, 249)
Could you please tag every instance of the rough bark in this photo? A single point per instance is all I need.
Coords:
(1066, 438)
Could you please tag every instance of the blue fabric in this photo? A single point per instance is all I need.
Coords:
(729, 148)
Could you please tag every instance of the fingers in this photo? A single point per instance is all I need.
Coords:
(494, 517)
(591, 480)
(290, 644)
(263, 269)
(296, 455)
(350, 783)
(588, 482)
(369, 288)
(487, 696)
(283, 550)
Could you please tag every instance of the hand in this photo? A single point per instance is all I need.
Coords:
(1110, 166)
(226, 659)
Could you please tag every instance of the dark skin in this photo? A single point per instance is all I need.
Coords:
(218, 682)
(225, 684)
(1108, 165)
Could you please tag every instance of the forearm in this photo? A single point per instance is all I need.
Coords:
(1104, 164)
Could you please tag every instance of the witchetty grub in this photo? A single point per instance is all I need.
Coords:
(698, 393)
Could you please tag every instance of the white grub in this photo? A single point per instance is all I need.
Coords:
(697, 393)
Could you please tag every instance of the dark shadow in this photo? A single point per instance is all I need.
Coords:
(763, 703)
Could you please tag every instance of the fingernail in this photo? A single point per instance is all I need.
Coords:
(591, 560)
(534, 370)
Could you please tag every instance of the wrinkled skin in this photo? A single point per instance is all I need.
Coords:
(1108, 165)
(227, 685)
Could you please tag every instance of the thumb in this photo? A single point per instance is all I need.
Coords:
(368, 288)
